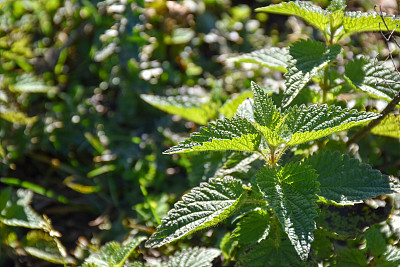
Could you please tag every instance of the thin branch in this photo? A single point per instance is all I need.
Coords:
(396, 99)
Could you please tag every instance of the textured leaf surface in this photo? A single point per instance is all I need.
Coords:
(268, 254)
(228, 134)
(313, 122)
(203, 207)
(308, 57)
(376, 242)
(351, 257)
(230, 106)
(373, 78)
(273, 58)
(41, 245)
(112, 254)
(346, 180)
(190, 108)
(313, 14)
(389, 126)
(17, 210)
(194, 257)
(252, 228)
(291, 191)
(357, 21)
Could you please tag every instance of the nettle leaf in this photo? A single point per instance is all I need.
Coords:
(308, 57)
(191, 108)
(203, 207)
(389, 126)
(314, 122)
(229, 134)
(356, 21)
(291, 191)
(346, 180)
(193, 257)
(313, 14)
(351, 257)
(376, 242)
(253, 228)
(231, 105)
(273, 58)
(113, 254)
(267, 253)
(391, 257)
(373, 78)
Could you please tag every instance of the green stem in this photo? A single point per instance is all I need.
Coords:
(255, 201)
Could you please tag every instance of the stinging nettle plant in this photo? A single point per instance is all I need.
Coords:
(276, 209)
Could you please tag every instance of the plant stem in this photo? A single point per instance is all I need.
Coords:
(364, 131)
(255, 201)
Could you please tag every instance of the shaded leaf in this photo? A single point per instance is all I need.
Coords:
(373, 78)
(203, 207)
(308, 57)
(194, 257)
(376, 242)
(351, 257)
(113, 254)
(267, 253)
(41, 245)
(253, 228)
(346, 180)
(291, 191)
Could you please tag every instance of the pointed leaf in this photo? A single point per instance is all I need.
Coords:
(389, 126)
(253, 228)
(230, 106)
(308, 57)
(313, 14)
(291, 191)
(203, 207)
(267, 253)
(113, 254)
(346, 180)
(356, 21)
(191, 108)
(373, 78)
(228, 134)
(313, 122)
(273, 58)
(194, 257)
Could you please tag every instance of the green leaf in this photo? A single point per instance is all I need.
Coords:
(269, 253)
(356, 21)
(41, 245)
(227, 246)
(17, 211)
(230, 106)
(351, 257)
(273, 58)
(389, 126)
(253, 228)
(391, 257)
(194, 257)
(203, 207)
(308, 57)
(291, 191)
(346, 180)
(373, 78)
(336, 5)
(191, 108)
(314, 122)
(313, 14)
(112, 254)
(376, 242)
(228, 134)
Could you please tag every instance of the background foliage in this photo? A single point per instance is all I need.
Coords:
(79, 144)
